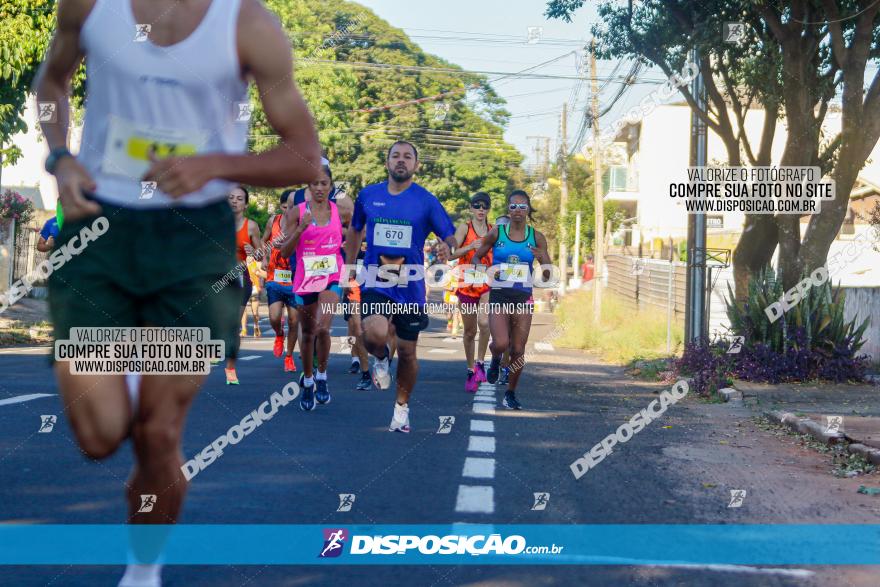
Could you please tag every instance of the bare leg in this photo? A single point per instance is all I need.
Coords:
(98, 409)
(307, 318)
(230, 362)
(483, 326)
(521, 324)
(469, 336)
(292, 328)
(407, 369)
(156, 434)
(327, 300)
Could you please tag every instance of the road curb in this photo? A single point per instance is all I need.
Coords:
(869, 453)
(729, 394)
(811, 428)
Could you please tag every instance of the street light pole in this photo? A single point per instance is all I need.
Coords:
(598, 200)
(695, 302)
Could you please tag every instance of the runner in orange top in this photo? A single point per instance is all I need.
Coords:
(279, 288)
(247, 241)
(473, 289)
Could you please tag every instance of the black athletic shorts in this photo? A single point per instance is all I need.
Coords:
(408, 320)
(246, 287)
(165, 267)
(509, 300)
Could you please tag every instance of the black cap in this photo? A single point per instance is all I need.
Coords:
(481, 197)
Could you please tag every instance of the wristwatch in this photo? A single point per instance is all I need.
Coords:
(56, 155)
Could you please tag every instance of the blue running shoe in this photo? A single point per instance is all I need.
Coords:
(322, 394)
(307, 399)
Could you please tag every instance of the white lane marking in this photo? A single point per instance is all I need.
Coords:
(615, 560)
(27, 350)
(442, 351)
(23, 398)
(249, 358)
(544, 346)
(475, 499)
(482, 426)
(479, 468)
(484, 408)
(484, 398)
(481, 444)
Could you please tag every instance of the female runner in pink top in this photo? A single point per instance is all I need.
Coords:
(316, 233)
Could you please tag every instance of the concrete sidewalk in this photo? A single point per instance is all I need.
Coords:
(831, 413)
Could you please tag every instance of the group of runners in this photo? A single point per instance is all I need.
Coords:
(163, 110)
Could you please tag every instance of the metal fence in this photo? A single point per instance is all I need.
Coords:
(25, 256)
(646, 283)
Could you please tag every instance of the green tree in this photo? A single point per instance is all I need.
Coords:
(360, 111)
(580, 199)
(25, 27)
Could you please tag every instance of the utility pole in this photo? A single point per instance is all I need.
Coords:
(695, 292)
(563, 201)
(541, 163)
(598, 253)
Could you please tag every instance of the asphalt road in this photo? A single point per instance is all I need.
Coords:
(292, 469)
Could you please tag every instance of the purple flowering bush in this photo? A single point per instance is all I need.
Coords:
(811, 342)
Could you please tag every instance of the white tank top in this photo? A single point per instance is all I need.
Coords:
(186, 98)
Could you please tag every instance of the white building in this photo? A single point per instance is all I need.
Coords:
(651, 154)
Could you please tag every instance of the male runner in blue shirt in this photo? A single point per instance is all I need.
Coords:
(396, 216)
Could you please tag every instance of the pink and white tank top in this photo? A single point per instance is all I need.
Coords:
(318, 260)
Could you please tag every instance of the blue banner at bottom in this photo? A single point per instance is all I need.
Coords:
(648, 544)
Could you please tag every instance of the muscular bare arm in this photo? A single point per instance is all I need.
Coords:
(53, 85)
(488, 241)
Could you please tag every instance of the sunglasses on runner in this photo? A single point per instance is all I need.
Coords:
(518, 207)
(480, 206)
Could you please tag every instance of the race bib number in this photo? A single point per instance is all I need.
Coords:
(319, 265)
(129, 146)
(514, 272)
(474, 276)
(392, 235)
(283, 275)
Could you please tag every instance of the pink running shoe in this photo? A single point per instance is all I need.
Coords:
(471, 385)
(480, 372)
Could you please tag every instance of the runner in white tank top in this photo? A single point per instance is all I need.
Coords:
(166, 122)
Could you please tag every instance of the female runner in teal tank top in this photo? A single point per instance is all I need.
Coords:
(515, 248)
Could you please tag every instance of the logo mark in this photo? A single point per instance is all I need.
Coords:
(638, 266)
(534, 35)
(737, 496)
(446, 423)
(541, 501)
(334, 541)
(833, 424)
(346, 500)
(47, 111)
(47, 423)
(736, 345)
(141, 32)
(734, 32)
(147, 189)
(441, 109)
(147, 503)
(245, 109)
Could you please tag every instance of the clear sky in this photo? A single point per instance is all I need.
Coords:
(491, 35)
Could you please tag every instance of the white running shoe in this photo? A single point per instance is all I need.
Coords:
(142, 576)
(382, 371)
(400, 421)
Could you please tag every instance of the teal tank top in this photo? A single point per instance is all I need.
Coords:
(515, 259)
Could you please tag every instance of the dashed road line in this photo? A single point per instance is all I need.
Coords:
(479, 468)
(481, 444)
(475, 499)
(18, 399)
